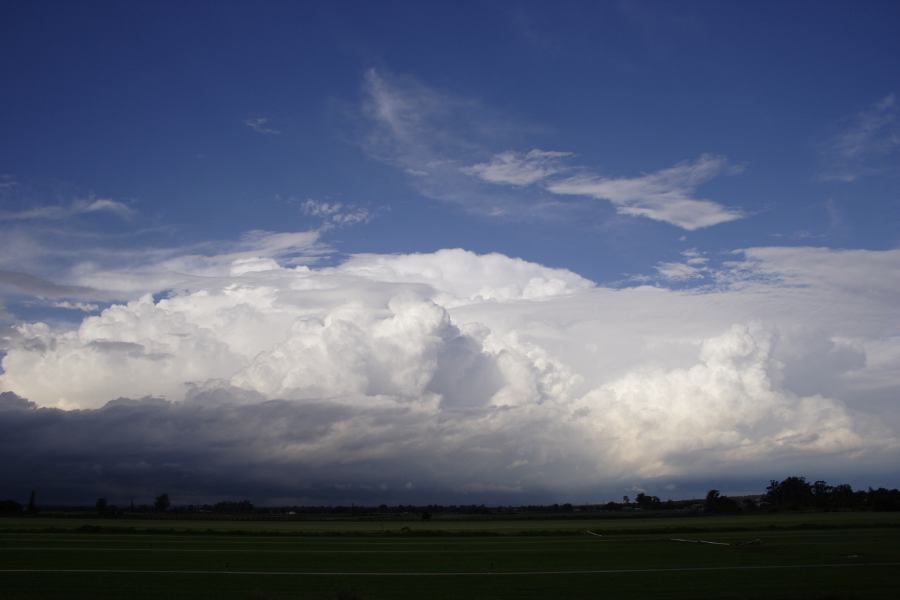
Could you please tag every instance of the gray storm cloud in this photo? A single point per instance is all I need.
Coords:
(459, 374)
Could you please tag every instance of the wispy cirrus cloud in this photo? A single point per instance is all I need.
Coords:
(335, 214)
(668, 195)
(145, 270)
(693, 266)
(7, 182)
(97, 272)
(519, 169)
(261, 125)
(432, 136)
(79, 306)
(421, 131)
(869, 144)
(57, 212)
(39, 286)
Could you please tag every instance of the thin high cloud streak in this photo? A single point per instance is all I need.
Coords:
(694, 266)
(91, 277)
(59, 212)
(38, 286)
(464, 375)
(666, 195)
(518, 169)
(429, 135)
(261, 125)
(335, 214)
(869, 144)
(42, 260)
(128, 274)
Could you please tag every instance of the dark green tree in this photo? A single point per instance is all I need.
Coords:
(884, 499)
(792, 493)
(717, 503)
(822, 494)
(647, 502)
(843, 496)
(162, 503)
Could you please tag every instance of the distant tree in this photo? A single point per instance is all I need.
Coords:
(792, 493)
(32, 503)
(647, 502)
(101, 505)
(842, 496)
(626, 500)
(822, 494)
(717, 503)
(228, 507)
(162, 503)
(884, 499)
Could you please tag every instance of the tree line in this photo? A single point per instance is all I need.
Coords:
(792, 493)
(797, 493)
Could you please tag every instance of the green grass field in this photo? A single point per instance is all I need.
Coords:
(849, 555)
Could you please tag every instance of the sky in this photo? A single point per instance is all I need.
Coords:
(452, 252)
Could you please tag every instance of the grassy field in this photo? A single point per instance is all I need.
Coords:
(848, 555)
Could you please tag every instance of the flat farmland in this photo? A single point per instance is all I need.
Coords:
(855, 555)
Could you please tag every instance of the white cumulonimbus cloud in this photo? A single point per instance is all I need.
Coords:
(485, 374)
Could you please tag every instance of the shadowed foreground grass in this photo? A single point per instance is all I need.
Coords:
(613, 523)
(777, 556)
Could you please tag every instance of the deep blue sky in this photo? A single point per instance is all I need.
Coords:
(145, 103)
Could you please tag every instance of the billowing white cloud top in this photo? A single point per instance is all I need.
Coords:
(483, 372)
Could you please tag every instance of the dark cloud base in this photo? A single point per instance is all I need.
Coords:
(196, 452)
(212, 448)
